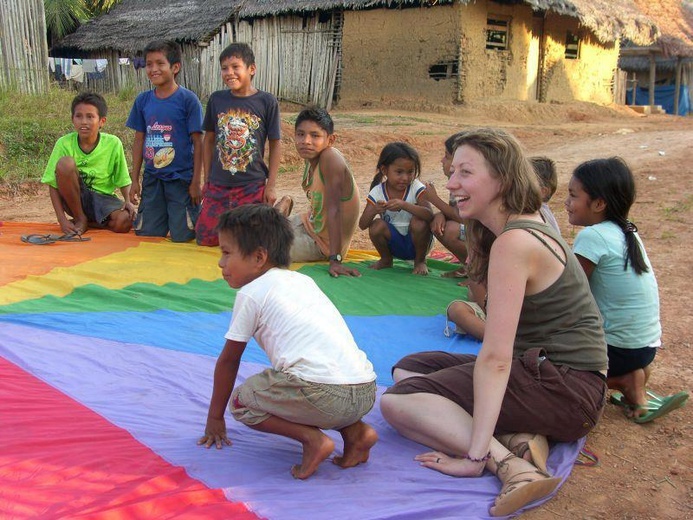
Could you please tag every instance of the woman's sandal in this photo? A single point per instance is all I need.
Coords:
(513, 497)
(537, 446)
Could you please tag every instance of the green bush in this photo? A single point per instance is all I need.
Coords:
(30, 125)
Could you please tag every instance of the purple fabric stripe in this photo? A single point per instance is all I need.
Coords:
(160, 396)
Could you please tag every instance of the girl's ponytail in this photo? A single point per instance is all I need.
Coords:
(377, 179)
(633, 250)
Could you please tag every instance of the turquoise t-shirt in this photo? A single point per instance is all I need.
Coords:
(629, 303)
(103, 170)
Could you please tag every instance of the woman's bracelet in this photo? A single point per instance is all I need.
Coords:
(482, 459)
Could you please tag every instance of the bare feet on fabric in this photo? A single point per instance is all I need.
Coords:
(523, 483)
(420, 269)
(381, 264)
(359, 438)
(315, 451)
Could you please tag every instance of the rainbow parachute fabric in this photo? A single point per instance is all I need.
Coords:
(107, 351)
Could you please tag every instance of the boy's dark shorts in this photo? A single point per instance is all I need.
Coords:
(625, 360)
(96, 206)
(166, 207)
(217, 200)
(554, 400)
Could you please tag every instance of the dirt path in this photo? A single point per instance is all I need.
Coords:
(645, 470)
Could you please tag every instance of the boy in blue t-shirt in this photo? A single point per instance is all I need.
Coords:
(237, 123)
(85, 169)
(168, 138)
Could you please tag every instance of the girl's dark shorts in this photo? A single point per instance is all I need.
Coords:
(625, 360)
(553, 400)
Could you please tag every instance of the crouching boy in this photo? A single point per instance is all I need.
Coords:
(84, 171)
(319, 379)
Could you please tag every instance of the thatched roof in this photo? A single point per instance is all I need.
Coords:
(132, 23)
(675, 21)
(609, 20)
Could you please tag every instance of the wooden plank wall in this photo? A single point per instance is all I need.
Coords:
(297, 60)
(23, 47)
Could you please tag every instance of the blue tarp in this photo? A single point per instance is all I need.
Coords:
(664, 96)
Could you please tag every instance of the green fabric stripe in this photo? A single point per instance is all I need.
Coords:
(388, 291)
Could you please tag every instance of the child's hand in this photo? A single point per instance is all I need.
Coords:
(215, 433)
(194, 191)
(270, 196)
(394, 204)
(380, 207)
(438, 224)
(135, 190)
(130, 208)
(430, 191)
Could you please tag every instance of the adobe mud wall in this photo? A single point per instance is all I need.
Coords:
(386, 55)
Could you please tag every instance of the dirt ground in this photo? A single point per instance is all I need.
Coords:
(644, 470)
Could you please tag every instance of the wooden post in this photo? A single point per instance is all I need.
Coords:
(677, 88)
(634, 83)
(653, 67)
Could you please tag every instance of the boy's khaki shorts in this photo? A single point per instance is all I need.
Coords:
(476, 308)
(328, 407)
(304, 248)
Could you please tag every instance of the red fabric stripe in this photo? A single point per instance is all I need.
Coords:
(58, 459)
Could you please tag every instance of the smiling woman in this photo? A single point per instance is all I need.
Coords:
(496, 411)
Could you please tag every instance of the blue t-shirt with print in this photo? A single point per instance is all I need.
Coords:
(168, 125)
(241, 127)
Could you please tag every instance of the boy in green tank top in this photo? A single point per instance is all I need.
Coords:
(325, 231)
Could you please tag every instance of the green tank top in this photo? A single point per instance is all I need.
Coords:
(563, 319)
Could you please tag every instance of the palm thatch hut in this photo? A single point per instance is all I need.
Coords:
(374, 51)
(669, 60)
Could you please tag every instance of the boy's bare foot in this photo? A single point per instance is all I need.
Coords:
(285, 205)
(314, 452)
(359, 438)
(420, 268)
(80, 225)
(381, 264)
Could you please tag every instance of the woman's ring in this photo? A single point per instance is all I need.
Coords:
(438, 460)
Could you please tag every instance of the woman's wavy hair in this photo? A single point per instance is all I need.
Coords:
(520, 193)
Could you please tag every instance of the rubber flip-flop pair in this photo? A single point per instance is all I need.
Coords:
(41, 240)
(657, 405)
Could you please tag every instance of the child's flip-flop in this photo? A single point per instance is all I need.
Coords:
(73, 237)
(39, 239)
(657, 406)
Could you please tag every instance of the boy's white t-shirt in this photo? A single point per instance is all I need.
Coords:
(400, 219)
(299, 328)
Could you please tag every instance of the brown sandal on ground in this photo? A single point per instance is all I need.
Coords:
(285, 205)
(537, 446)
(514, 497)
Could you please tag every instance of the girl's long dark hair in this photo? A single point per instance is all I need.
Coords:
(612, 181)
(390, 153)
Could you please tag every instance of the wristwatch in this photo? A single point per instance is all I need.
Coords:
(335, 258)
